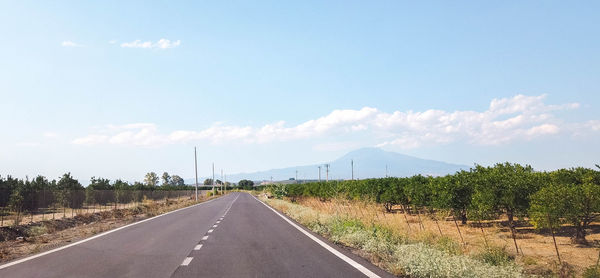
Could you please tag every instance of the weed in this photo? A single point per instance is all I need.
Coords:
(448, 245)
(592, 272)
(529, 261)
(37, 231)
(495, 256)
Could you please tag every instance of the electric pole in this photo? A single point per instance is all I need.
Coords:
(352, 165)
(213, 179)
(319, 173)
(386, 171)
(296, 176)
(196, 168)
(327, 172)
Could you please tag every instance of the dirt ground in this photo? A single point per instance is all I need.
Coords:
(537, 253)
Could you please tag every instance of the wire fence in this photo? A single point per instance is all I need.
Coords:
(33, 206)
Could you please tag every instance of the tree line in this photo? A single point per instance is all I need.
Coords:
(545, 199)
(30, 195)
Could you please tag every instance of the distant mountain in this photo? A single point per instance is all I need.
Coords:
(368, 163)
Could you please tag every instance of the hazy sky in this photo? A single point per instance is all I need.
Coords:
(119, 88)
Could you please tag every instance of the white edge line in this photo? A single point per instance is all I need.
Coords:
(345, 258)
(187, 261)
(95, 237)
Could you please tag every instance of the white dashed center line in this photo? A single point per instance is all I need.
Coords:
(198, 247)
(214, 226)
(210, 231)
(187, 261)
(205, 238)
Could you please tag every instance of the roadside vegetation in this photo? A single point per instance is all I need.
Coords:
(26, 201)
(27, 239)
(508, 216)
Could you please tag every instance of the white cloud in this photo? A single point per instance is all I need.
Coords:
(29, 144)
(50, 134)
(71, 44)
(92, 139)
(506, 120)
(160, 44)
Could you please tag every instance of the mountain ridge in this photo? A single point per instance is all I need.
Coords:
(368, 163)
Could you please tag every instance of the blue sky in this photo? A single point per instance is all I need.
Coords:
(118, 89)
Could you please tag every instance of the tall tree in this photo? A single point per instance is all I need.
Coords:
(70, 191)
(151, 179)
(177, 180)
(246, 184)
(166, 179)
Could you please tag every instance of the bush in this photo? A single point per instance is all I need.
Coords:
(592, 272)
(495, 256)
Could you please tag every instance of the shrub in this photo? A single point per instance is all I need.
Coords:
(495, 256)
(592, 272)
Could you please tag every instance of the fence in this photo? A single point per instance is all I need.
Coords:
(31, 206)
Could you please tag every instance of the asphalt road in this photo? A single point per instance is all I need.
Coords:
(232, 236)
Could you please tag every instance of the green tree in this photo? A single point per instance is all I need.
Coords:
(177, 180)
(562, 202)
(166, 179)
(70, 191)
(151, 179)
(99, 191)
(15, 203)
(246, 184)
(503, 188)
(454, 192)
(122, 191)
(208, 182)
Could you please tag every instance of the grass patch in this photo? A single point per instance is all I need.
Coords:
(495, 256)
(592, 272)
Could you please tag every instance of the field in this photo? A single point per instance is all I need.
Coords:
(546, 223)
(537, 255)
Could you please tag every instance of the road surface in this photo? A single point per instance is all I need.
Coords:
(232, 236)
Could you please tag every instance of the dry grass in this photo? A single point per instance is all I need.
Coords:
(430, 256)
(536, 250)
